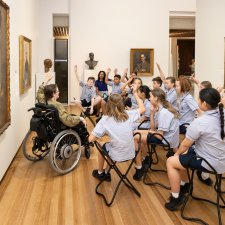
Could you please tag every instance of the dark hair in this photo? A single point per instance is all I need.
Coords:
(206, 84)
(158, 80)
(103, 76)
(49, 90)
(158, 92)
(185, 84)
(118, 76)
(145, 89)
(212, 97)
(172, 80)
(91, 78)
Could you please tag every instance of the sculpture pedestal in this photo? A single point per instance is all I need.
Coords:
(89, 73)
(43, 77)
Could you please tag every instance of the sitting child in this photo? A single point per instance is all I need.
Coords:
(117, 123)
(88, 96)
(207, 132)
(164, 120)
(144, 94)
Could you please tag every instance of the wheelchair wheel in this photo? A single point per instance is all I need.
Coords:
(33, 148)
(65, 151)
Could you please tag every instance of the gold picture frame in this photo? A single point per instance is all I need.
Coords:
(25, 63)
(142, 61)
(5, 118)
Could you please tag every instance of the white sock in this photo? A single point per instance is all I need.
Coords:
(182, 183)
(138, 167)
(204, 175)
(175, 195)
(100, 172)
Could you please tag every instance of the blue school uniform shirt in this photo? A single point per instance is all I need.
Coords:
(166, 122)
(187, 107)
(121, 145)
(205, 132)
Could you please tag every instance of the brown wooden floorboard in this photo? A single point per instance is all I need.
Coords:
(32, 193)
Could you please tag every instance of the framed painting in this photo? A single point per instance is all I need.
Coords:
(4, 68)
(142, 61)
(25, 64)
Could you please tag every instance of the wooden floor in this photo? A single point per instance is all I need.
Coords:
(31, 193)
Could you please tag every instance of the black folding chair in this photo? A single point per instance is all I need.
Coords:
(142, 123)
(217, 188)
(123, 176)
(152, 152)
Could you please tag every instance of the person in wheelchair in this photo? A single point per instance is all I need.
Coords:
(51, 94)
(164, 120)
(117, 123)
(207, 132)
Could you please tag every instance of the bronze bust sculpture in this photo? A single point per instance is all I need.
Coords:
(91, 62)
(47, 64)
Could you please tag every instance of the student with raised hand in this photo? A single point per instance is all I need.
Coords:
(207, 132)
(164, 121)
(169, 87)
(187, 106)
(117, 123)
(201, 85)
(88, 96)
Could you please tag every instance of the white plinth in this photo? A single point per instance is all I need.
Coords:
(43, 77)
(89, 73)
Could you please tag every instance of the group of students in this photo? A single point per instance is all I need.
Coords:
(168, 109)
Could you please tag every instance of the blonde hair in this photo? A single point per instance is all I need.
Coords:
(158, 92)
(115, 108)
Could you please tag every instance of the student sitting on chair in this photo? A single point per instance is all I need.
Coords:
(117, 123)
(88, 96)
(164, 120)
(187, 106)
(144, 94)
(207, 132)
(130, 101)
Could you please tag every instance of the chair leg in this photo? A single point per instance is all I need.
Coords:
(152, 151)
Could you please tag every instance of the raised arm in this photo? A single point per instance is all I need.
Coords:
(107, 75)
(161, 73)
(122, 88)
(192, 78)
(124, 77)
(141, 107)
(76, 73)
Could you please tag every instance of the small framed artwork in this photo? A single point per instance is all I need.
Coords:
(25, 64)
(142, 61)
(5, 118)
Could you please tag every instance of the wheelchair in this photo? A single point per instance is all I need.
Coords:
(48, 135)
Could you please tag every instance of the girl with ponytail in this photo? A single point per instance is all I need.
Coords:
(207, 132)
(164, 121)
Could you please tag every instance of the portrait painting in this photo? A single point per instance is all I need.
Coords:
(25, 64)
(142, 61)
(4, 68)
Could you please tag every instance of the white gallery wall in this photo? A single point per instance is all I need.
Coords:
(210, 33)
(23, 21)
(111, 28)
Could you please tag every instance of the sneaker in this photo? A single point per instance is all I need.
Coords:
(174, 203)
(207, 181)
(146, 163)
(102, 176)
(87, 152)
(170, 153)
(138, 175)
(185, 188)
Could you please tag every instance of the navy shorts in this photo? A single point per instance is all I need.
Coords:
(194, 163)
(84, 103)
(183, 128)
(153, 139)
(104, 150)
